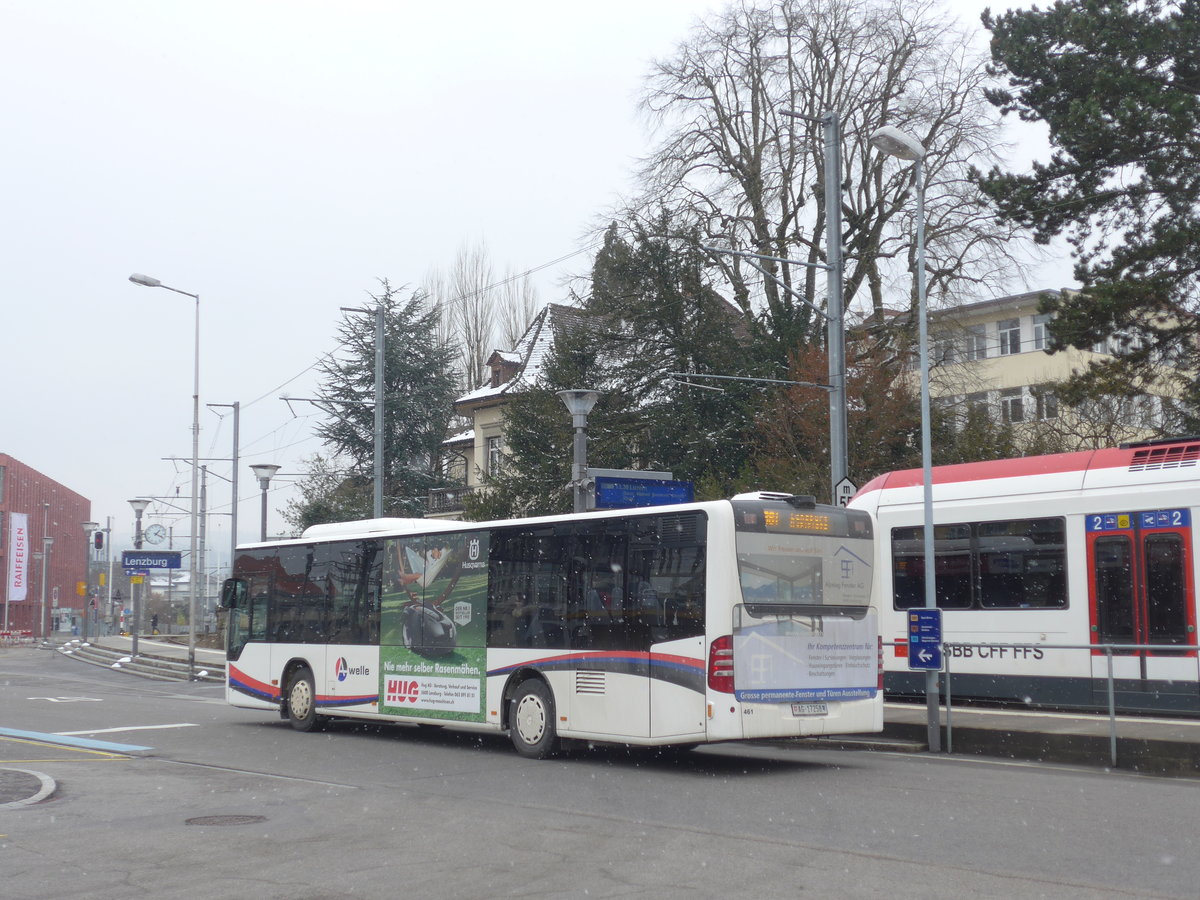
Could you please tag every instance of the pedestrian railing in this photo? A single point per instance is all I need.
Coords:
(949, 649)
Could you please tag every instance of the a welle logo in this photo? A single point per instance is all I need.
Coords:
(344, 670)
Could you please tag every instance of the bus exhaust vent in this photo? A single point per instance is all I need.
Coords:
(589, 682)
(1175, 457)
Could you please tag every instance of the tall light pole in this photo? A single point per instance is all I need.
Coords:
(47, 543)
(139, 507)
(835, 313)
(233, 478)
(89, 529)
(895, 142)
(579, 403)
(264, 472)
(147, 281)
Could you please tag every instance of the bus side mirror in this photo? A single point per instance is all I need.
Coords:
(233, 593)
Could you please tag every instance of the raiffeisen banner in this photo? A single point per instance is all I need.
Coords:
(18, 557)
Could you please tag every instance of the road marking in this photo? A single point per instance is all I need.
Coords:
(126, 728)
(68, 699)
(85, 743)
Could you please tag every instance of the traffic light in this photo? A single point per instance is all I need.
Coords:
(99, 540)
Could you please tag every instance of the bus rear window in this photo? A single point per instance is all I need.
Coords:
(801, 572)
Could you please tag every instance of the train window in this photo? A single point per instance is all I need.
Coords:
(1114, 590)
(1166, 589)
(1008, 564)
(1022, 564)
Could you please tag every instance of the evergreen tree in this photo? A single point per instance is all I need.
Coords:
(650, 312)
(419, 390)
(1117, 83)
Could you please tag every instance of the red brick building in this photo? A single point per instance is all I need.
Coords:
(32, 507)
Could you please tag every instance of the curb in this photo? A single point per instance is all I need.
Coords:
(24, 787)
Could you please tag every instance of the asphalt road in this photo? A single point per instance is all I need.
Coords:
(233, 803)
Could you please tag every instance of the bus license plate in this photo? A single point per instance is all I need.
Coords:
(810, 709)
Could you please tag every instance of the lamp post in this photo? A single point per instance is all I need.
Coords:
(895, 142)
(139, 507)
(147, 281)
(47, 543)
(89, 528)
(264, 472)
(579, 403)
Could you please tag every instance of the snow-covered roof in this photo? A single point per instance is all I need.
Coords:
(530, 352)
(463, 437)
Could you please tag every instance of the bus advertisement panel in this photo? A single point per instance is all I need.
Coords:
(432, 654)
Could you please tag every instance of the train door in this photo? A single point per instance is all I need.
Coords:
(1141, 594)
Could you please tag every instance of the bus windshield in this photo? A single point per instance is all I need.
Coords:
(801, 562)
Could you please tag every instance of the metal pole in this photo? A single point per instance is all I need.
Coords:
(233, 515)
(378, 504)
(839, 465)
(203, 540)
(263, 534)
(47, 541)
(931, 677)
(192, 559)
(108, 567)
(138, 587)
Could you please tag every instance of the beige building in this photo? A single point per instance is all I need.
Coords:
(479, 450)
(992, 354)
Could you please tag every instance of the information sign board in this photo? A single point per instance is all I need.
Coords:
(622, 493)
(142, 560)
(925, 639)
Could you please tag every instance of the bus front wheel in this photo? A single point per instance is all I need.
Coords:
(302, 700)
(531, 722)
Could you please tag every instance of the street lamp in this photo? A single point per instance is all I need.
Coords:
(902, 145)
(579, 403)
(139, 507)
(147, 281)
(89, 528)
(264, 472)
(47, 543)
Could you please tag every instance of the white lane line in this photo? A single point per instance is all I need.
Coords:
(127, 728)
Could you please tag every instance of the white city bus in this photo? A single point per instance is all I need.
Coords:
(715, 621)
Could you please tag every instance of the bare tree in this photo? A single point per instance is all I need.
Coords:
(518, 307)
(734, 167)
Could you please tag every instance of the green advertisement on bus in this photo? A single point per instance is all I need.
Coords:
(432, 655)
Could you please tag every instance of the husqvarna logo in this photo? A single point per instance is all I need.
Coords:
(473, 548)
(343, 669)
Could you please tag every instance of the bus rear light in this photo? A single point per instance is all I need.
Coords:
(720, 665)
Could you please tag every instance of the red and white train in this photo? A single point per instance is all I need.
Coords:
(1079, 549)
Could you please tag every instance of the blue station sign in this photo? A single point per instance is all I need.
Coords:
(144, 560)
(925, 639)
(623, 493)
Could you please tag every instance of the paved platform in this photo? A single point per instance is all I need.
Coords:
(1155, 746)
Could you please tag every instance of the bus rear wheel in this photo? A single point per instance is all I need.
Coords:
(302, 700)
(531, 720)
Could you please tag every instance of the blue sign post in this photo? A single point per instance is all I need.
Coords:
(925, 639)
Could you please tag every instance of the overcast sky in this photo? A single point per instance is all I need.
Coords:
(276, 158)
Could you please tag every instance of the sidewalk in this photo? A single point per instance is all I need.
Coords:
(1153, 746)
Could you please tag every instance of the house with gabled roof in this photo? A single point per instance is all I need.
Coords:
(473, 454)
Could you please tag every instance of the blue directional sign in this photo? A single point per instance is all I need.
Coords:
(142, 560)
(925, 639)
(622, 493)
